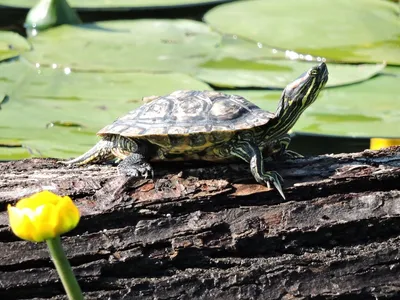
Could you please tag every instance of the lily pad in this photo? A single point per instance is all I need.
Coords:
(141, 45)
(271, 73)
(12, 44)
(56, 112)
(347, 31)
(233, 46)
(87, 4)
(367, 109)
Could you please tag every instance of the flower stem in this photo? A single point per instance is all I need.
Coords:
(64, 270)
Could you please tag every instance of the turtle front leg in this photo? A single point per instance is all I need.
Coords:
(135, 165)
(134, 162)
(252, 154)
(280, 149)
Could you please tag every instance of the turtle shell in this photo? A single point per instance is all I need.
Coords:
(187, 113)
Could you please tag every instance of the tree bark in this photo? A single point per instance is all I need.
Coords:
(210, 232)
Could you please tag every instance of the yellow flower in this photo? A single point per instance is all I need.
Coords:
(43, 216)
(379, 143)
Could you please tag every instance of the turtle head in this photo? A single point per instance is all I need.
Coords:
(298, 95)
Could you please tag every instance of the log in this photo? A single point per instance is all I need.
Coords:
(210, 232)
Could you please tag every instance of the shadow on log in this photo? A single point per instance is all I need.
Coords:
(210, 232)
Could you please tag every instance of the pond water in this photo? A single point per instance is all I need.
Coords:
(58, 88)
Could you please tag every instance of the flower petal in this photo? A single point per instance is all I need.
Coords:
(68, 215)
(38, 199)
(21, 224)
(44, 222)
(43, 216)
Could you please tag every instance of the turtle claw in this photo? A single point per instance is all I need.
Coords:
(289, 154)
(278, 187)
(140, 171)
(275, 178)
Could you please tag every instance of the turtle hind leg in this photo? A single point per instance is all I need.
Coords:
(136, 165)
(129, 152)
(101, 152)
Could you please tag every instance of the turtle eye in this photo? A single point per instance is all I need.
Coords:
(313, 72)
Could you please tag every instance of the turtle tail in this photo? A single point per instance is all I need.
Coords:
(101, 152)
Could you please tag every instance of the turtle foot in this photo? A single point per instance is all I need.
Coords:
(272, 177)
(143, 170)
(135, 166)
(289, 154)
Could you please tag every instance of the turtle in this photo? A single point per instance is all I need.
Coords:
(206, 125)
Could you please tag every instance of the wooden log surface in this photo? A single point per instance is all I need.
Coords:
(209, 232)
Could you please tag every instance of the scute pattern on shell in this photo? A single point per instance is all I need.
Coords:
(188, 112)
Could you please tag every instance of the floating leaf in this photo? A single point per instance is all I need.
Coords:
(50, 13)
(141, 45)
(234, 47)
(12, 44)
(277, 73)
(349, 31)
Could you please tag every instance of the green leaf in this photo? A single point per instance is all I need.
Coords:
(50, 13)
(342, 30)
(54, 114)
(12, 44)
(142, 45)
(277, 73)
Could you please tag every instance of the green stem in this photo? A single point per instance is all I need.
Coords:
(64, 270)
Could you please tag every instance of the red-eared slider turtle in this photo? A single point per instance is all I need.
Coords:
(206, 125)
